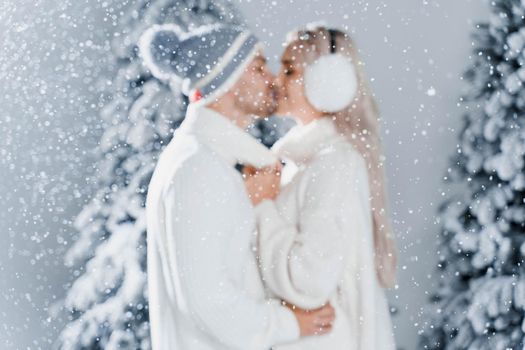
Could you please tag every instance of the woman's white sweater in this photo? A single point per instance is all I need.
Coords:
(316, 242)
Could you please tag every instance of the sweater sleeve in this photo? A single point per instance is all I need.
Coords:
(199, 221)
(303, 262)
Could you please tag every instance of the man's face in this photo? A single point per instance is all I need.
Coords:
(254, 92)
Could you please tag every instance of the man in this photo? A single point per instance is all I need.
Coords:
(204, 289)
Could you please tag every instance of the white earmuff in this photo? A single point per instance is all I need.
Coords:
(330, 83)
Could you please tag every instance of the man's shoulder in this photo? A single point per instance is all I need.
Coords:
(186, 159)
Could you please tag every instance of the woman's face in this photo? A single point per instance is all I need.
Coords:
(289, 84)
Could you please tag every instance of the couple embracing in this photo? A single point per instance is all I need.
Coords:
(243, 253)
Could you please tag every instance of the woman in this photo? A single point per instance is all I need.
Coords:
(327, 236)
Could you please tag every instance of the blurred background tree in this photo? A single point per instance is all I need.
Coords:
(480, 301)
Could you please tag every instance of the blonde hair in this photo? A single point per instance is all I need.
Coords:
(359, 123)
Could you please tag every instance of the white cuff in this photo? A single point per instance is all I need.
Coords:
(287, 324)
(267, 215)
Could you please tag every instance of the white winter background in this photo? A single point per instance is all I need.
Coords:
(415, 51)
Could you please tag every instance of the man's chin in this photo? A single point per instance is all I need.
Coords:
(266, 112)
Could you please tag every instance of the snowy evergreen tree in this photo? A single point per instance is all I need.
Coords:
(480, 300)
(106, 305)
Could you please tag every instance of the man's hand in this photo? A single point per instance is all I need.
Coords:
(314, 322)
(262, 183)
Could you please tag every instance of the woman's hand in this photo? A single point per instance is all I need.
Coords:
(262, 183)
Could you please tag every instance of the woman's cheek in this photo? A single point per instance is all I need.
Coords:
(297, 91)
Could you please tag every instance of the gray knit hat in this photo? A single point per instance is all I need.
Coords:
(207, 62)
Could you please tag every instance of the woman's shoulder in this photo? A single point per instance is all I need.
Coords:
(340, 156)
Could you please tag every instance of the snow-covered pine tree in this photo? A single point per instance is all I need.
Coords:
(106, 305)
(480, 300)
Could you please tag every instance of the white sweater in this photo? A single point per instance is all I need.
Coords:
(316, 241)
(204, 288)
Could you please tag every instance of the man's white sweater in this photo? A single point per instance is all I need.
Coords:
(204, 288)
